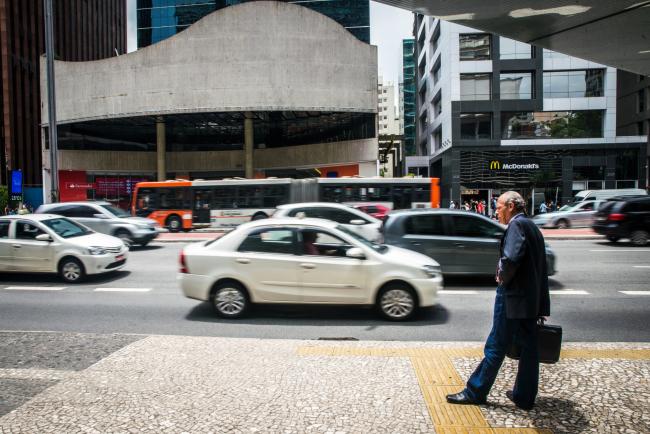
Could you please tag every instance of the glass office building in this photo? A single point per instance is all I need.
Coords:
(408, 72)
(160, 19)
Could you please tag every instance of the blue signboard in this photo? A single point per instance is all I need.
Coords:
(16, 182)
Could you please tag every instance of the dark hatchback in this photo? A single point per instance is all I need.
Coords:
(627, 218)
(461, 242)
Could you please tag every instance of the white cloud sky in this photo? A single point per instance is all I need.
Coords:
(388, 26)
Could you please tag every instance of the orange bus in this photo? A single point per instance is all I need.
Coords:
(184, 205)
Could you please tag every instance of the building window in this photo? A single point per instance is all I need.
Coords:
(436, 72)
(437, 139)
(641, 100)
(475, 47)
(475, 87)
(511, 49)
(475, 126)
(574, 84)
(437, 106)
(516, 85)
(552, 125)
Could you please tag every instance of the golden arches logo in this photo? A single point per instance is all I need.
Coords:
(495, 165)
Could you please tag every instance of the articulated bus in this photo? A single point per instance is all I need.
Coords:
(184, 205)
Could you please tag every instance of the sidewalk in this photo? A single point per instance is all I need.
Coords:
(175, 384)
(206, 234)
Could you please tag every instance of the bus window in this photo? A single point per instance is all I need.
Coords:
(146, 201)
(274, 195)
(174, 198)
(224, 198)
(249, 197)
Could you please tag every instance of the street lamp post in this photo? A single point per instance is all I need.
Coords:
(51, 102)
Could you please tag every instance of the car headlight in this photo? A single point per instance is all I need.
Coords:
(431, 271)
(96, 250)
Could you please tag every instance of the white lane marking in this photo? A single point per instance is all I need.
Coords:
(614, 250)
(35, 288)
(641, 266)
(635, 292)
(122, 289)
(457, 291)
(568, 292)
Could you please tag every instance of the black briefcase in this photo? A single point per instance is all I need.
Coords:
(549, 343)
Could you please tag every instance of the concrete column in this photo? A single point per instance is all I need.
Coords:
(248, 145)
(567, 180)
(161, 144)
(610, 171)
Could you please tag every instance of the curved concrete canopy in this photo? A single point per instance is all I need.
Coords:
(611, 32)
(255, 56)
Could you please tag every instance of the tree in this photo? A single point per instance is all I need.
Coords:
(4, 197)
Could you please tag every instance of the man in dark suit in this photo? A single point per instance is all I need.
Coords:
(522, 297)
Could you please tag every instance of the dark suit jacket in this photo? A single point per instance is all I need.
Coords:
(522, 270)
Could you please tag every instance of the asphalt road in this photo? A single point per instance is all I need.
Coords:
(145, 298)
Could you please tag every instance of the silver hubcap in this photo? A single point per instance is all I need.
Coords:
(639, 238)
(174, 224)
(71, 271)
(397, 303)
(125, 239)
(229, 301)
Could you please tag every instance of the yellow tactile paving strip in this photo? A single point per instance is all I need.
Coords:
(438, 377)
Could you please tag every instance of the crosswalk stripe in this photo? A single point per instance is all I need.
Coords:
(122, 289)
(457, 291)
(35, 288)
(614, 250)
(568, 292)
(635, 292)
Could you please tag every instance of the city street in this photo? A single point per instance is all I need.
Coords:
(601, 293)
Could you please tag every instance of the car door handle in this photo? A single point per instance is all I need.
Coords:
(308, 266)
(415, 243)
(461, 245)
(243, 260)
(17, 246)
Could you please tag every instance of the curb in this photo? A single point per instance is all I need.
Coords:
(554, 238)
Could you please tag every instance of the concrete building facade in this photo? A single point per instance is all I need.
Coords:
(233, 95)
(495, 114)
(388, 115)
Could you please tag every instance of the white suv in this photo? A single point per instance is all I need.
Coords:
(306, 261)
(107, 219)
(355, 220)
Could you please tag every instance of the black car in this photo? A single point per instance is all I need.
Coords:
(625, 218)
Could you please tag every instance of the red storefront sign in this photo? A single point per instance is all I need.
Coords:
(83, 185)
(68, 182)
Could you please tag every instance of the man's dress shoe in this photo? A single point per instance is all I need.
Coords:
(461, 398)
(511, 397)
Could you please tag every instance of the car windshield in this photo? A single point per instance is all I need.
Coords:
(380, 248)
(116, 211)
(66, 228)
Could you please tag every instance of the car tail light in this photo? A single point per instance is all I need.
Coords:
(182, 262)
(617, 217)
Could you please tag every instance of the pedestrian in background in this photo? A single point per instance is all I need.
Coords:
(452, 205)
(522, 297)
(543, 208)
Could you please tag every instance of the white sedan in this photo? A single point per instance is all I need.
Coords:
(355, 220)
(306, 261)
(47, 243)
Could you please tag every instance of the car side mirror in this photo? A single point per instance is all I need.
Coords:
(355, 252)
(100, 216)
(357, 222)
(43, 237)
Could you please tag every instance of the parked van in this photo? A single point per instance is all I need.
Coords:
(607, 194)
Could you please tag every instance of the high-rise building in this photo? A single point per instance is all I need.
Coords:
(495, 114)
(633, 109)
(387, 113)
(83, 30)
(408, 98)
(160, 19)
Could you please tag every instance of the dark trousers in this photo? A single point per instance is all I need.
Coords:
(504, 331)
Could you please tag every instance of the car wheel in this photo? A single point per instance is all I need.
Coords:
(612, 239)
(230, 300)
(260, 216)
(144, 244)
(71, 270)
(563, 224)
(397, 302)
(125, 236)
(174, 223)
(639, 238)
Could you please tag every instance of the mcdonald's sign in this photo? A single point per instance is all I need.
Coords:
(495, 165)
